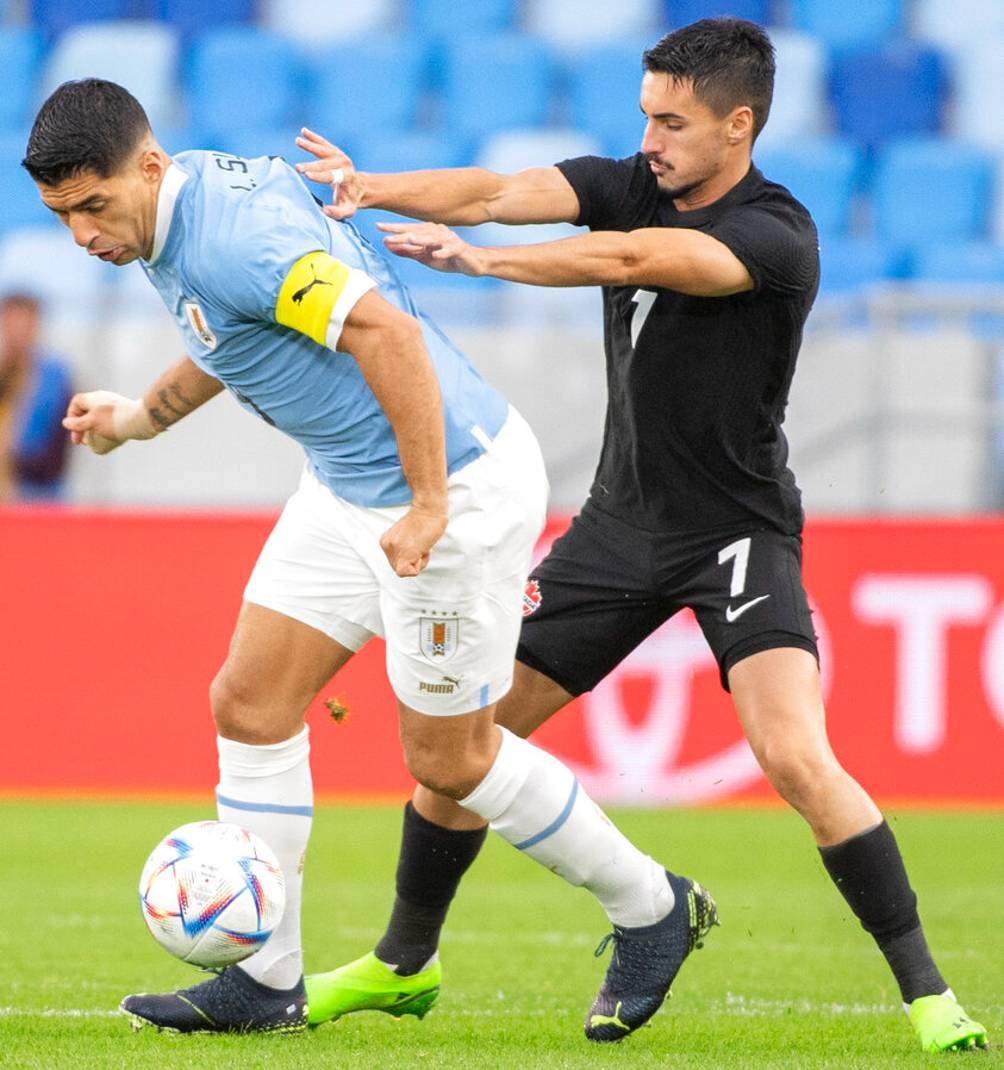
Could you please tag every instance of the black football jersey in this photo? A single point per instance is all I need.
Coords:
(698, 385)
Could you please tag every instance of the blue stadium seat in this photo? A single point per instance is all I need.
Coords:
(956, 25)
(142, 56)
(799, 108)
(190, 19)
(445, 18)
(22, 206)
(683, 12)
(408, 150)
(839, 25)
(317, 25)
(52, 17)
(931, 189)
(978, 81)
(603, 89)
(177, 137)
(493, 82)
(45, 260)
(253, 140)
(969, 262)
(823, 174)
(883, 93)
(849, 264)
(374, 82)
(21, 52)
(569, 27)
(516, 150)
(244, 75)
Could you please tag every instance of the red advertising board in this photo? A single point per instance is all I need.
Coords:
(113, 624)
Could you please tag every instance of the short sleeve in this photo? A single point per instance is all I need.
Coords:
(317, 296)
(611, 197)
(275, 269)
(780, 251)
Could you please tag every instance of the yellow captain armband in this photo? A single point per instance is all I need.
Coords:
(311, 292)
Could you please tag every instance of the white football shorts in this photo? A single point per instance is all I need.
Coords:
(451, 631)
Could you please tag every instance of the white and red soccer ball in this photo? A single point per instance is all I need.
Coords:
(212, 893)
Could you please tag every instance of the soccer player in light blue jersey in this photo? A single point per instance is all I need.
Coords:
(422, 495)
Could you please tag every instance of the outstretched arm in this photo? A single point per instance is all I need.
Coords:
(680, 259)
(104, 420)
(463, 196)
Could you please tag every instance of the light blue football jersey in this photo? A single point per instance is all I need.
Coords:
(229, 232)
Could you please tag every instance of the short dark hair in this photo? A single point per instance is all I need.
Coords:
(729, 62)
(89, 125)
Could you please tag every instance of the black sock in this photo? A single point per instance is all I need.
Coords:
(431, 863)
(868, 869)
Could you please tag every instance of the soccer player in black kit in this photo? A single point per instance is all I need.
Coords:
(709, 271)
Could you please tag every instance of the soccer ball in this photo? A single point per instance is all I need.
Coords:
(212, 893)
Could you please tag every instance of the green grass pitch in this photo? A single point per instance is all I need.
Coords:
(789, 980)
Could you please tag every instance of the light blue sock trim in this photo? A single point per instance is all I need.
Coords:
(265, 808)
(555, 824)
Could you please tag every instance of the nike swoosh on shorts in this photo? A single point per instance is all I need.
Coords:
(734, 614)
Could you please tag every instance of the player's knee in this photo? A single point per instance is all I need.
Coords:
(444, 772)
(797, 773)
(239, 714)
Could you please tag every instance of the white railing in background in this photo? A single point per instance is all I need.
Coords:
(896, 406)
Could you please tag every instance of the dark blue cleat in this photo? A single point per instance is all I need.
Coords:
(232, 1002)
(646, 961)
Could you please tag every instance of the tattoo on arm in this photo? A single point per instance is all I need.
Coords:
(173, 400)
(159, 419)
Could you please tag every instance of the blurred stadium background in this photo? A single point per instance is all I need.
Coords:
(115, 612)
(886, 122)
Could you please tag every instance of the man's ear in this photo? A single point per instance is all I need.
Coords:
(740, 124)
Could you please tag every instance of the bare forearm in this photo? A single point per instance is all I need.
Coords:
(179, 391)
(681, 259)
(586, 260)
(467, 196)
(459, 196)
(400, 374)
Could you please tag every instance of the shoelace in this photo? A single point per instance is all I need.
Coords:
(602, 946)
(696, 935)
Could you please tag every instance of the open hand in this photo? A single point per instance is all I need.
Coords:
(333, 168)
(434, 245)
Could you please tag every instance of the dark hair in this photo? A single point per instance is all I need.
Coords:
(729, 62)
(90, 125)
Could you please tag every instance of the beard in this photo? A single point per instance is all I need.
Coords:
(673, 185)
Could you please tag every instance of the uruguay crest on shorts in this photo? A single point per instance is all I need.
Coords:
(439, 637)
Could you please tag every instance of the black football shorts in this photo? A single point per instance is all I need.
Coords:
(605, 586)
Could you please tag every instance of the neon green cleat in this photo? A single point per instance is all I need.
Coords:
(369, 985)
(942, 1025)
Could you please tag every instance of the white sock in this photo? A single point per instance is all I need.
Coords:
(268, 790)
(948, 994)
(535, 803)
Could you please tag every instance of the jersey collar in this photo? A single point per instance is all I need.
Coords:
(170, 187)
(736, 195)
